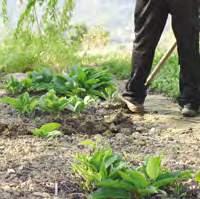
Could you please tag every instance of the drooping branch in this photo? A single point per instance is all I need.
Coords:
(4, 11)
(51, 13)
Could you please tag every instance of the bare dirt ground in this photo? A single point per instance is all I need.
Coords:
(32, 167)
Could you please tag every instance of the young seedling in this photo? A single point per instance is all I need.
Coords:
(52, 103)
(101, 164)
(49, 130)
(14, 86)
(23, 104)
(77, 104)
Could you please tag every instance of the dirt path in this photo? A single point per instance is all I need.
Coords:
(32, 167)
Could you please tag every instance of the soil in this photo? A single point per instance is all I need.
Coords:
(32, 167)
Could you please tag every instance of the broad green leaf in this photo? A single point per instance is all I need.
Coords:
(115, 184)
(153, 167)
(88, 143)
(49, 127)
(164, 182)
(134, 177)
(107, 193)
(178, 175)
(111, 160)
(148, 191)
(54, 134)
(197, 177)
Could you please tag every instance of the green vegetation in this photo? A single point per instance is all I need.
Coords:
(118, 62)
(167, 81)
(73, 91)
(100, 165)
(111, 177)
(80, 81)
(28, 51)
(52, 103)
(49, 130)
(41, 39)
(23, 104)
(63, 74)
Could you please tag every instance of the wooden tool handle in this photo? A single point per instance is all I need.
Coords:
(160, 64)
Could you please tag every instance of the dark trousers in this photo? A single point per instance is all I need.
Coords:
(150, 20)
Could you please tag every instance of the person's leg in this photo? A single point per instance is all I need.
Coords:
(150, 19)
(185, 26)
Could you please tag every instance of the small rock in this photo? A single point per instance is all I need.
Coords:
(98, 137)
(153, 131)
(3, 92)
(108, 133)
(10, 171)
(41, 194)
(140, 129)
(126, 131)
(113, 128)
(110, 118)
(135, 135)
(76, 196)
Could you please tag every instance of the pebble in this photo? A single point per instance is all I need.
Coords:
(41, 194)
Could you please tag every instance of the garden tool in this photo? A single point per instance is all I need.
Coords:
(160, 64)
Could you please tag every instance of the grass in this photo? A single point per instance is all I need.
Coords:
(117, 63)
(29, 51)
(167, 81)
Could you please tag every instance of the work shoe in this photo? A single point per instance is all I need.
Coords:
(132, 105)
(189, 110)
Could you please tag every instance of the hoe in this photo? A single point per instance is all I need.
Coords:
(160, 64)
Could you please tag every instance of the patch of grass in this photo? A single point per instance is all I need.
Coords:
(117, 63)
(29, 51)
(167, 81)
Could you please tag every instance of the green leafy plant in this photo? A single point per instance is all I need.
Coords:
(79, 81)
(50, 102)
(77, 104)
(74, 90)
(23, 104)
(101, 164)
(141, 182)
(14, 86)
(83, 81)
(40, 80)
(105, 171)
(49, 130)
(197, 177)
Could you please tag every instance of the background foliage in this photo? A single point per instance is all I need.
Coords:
(43, 36)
